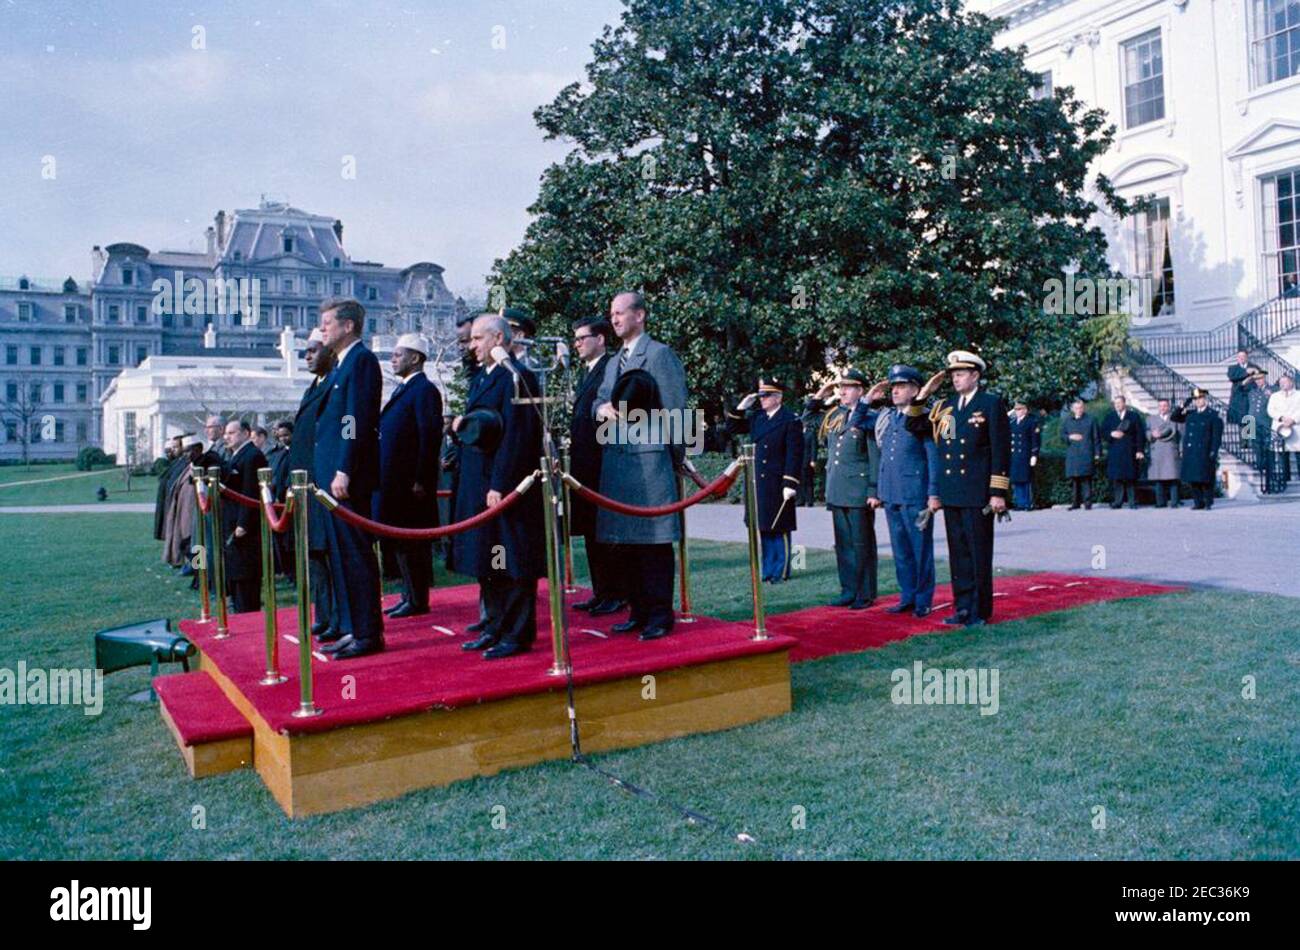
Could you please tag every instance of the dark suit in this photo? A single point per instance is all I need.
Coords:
(243, 555)
(1080, 456)
(778, 463)
(1238, 400)
(410, 441)
(909, 477)
(1025, 441)
(1122, 462)
(585, 455)
(299, 458)
(1202, 437)
(974, 460)
(347, 441)
(507, 554)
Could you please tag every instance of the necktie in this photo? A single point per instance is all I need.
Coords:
(622, 360)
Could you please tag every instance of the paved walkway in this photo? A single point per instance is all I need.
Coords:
(1247, 546)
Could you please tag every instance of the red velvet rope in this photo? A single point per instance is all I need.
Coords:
(281, 524)
(715, 487)
(696, 478)
(201, 491)
(419, 534)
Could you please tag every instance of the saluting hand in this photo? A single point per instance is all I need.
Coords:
(877, 391)
(931, 385)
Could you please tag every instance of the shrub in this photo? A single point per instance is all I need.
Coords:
(93, 456)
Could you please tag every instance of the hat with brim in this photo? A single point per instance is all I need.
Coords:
(520, 320)
(771, 386)
(901, 373)
(964, 359)
(1198, 393)
(413, 341)
(636, 389)
(481, 428)
(316, 336)
(852, 377)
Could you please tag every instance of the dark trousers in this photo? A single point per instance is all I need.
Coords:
(970, 557)
(415, 562)
(246, 595)
(1081, 490)
(606, 578)
(354, 576)
(807, 488)
(776, 555)
(1125, 488)
(913, 554)
(648, 570)
(322, 588)
(1203, 494)
(1022, 494)
(855, 551)
(1167, 492)
(1264, 452)
(1286, 459)
(284, 564)
(511, 606)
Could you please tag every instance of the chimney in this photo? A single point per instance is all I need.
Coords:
(338, 231)
(97, 261)
(221, 231)
(210, 338)
(211, 234)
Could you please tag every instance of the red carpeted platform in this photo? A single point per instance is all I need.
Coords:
(200, 711)
(825, 631)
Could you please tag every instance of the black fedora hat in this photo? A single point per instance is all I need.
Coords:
(481, 428)
(636, 389)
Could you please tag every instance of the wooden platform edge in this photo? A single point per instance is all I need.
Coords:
(210, 758)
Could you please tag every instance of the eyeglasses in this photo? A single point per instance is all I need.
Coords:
(585, 336)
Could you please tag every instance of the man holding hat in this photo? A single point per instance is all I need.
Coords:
(971, 432)
(410, 443)
(1126, 439)
(909, 487)
(777, 435)
(1202, 436)
(1284, 410)
(1024, 455)
(852, 467)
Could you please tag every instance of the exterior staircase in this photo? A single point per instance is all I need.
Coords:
(1170, 365)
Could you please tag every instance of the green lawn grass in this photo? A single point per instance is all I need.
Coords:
(64, 485)
(1134, 706)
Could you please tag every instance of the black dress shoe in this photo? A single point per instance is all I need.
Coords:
(608, 607)
(319, 627)
(483, 642)
(1073, 508)
(898, 609)
(586, 604)
(861, 604)
(504, 648)
(955, 620)
(357, 648)
(658, 631)
(627, 626)
(1087, 507)
(842, 602)
(396, 607)
(408, 610)
(477, 626)
(921, 612)
(339, 644)
(330, 635)
(977, 622)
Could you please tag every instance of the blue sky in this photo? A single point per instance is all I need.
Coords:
(151, 137)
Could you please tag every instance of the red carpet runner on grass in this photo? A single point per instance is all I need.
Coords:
(825, 631)
(423, 666)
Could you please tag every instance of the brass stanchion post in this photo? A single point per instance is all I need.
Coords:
(298, 485)
(200, 492)
(684, 559)
(567, 521)
(217, 536)
(273, 676)
(751, 510)
(554, 571)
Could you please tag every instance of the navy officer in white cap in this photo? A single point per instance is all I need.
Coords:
(971, 431)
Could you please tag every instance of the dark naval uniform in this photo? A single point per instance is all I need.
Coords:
(1025, 441)
(243, 555)
(909, 477)
(778, 463)
(1202, 436)
(852, 468)
(974, 459)
(1080, 456)
(1123, 454)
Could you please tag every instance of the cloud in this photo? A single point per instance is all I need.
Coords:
(483, 98)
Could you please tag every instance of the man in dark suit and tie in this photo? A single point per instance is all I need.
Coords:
(642, 472)
(410, 443)
(302, 449)
(1125, 436)
(507, 553)
(241, 535)
(346, 462)
(591, 337)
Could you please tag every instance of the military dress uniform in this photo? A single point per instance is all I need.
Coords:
(1025, 443)
(909, 478)
(852, 469)
(1202, 436)
(778, 463)
(974, 460)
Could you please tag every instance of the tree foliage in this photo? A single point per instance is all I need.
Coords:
(794, 183)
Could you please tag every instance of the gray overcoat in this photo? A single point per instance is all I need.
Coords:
(1163, 457)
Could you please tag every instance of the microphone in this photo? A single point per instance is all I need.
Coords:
(502, 356)
(562, 354)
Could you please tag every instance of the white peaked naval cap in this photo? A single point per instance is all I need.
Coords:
(413, 341)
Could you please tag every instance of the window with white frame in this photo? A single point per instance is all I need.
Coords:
(1153, 262)
(1281, 238)
(1144, 79)
(1274, 40)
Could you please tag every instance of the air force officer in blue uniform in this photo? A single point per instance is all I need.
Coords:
(909, 485)
(346, 460)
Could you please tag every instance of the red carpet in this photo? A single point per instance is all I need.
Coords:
(199, 708)
(423, 667)
(825, 631)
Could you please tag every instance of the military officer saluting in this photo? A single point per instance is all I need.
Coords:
(777, 435)
(852, 467)
(1024, 455)
(909, 485)
(1202, 435)
(971, 432)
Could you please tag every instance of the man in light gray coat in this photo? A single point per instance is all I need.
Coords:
(639, 466)
(1164, 457)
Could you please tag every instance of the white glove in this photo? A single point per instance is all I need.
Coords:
(747, 402)
(788, 493)
(1033, 460)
